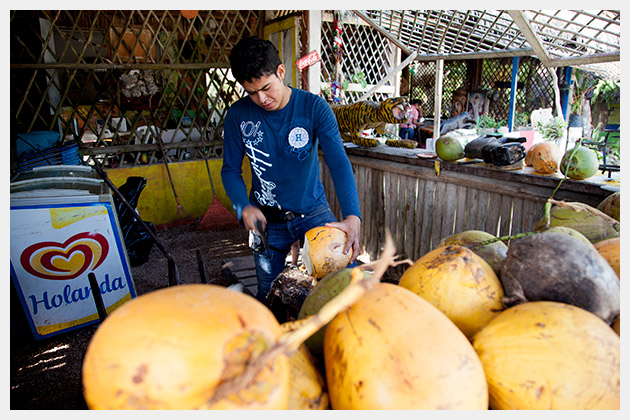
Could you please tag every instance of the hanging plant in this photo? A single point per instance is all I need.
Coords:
(552, 130)
(606, 92)
(584, 82)
(356, 78)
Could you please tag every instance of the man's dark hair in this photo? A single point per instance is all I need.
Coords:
(252, 58)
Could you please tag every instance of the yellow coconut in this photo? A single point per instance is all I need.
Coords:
(610, 250)
(322, 253)
(550, 355)
(545, 157)
(170, 349)
(459, 283)
(308, 388)
(394, 350)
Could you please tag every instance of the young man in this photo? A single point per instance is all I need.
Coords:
(279, 128)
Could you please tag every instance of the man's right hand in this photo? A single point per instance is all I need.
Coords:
(250, 215)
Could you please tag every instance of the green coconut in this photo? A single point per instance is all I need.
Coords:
(569, 231)
(449, 148)
(611, 205)
(582, 165)
(324, 291)
(583, 218)
(493, 253)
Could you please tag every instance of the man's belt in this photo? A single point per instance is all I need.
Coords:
(275, 215)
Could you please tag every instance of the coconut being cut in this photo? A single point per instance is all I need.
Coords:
(322, 253)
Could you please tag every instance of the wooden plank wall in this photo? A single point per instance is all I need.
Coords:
(420, 208)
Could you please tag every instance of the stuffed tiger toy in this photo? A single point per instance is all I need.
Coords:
(354, 118)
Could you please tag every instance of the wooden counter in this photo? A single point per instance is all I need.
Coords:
(403, 193)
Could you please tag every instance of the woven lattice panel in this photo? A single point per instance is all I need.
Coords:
(121, 83)
(364, 51)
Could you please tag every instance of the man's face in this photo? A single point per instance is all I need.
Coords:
(269, 92)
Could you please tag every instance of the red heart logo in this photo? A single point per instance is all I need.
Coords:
(55, 261)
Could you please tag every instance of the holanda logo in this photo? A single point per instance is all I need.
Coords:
(55, 261)
(298, 137)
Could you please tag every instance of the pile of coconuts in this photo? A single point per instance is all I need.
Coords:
(547, 299)
(454, 333)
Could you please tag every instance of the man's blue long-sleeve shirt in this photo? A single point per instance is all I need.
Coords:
(282, 150)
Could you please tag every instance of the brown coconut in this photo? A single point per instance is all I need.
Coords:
(554, 266)
(545, 157)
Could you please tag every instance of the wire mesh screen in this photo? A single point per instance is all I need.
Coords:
(455, 78)
(366, 57)
(534, 89)
(127, 87)
(422, 85)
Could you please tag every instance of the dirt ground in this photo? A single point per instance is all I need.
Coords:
(46, 374)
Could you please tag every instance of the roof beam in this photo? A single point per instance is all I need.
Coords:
(386, 34)
(530, 35)
(587, 59)
(520, 52)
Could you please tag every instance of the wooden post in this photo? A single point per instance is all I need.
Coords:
(313, 76)
(397, 79)
(439, 78)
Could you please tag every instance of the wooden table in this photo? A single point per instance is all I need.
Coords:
(420, 206)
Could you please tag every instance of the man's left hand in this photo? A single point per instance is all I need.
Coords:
(352, 226)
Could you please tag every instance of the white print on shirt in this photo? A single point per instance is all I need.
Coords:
(251, 137)
(250, 132)
(298, 137)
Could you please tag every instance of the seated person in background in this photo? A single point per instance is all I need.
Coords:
(416, 104)
(407, 130)
(419, 121)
